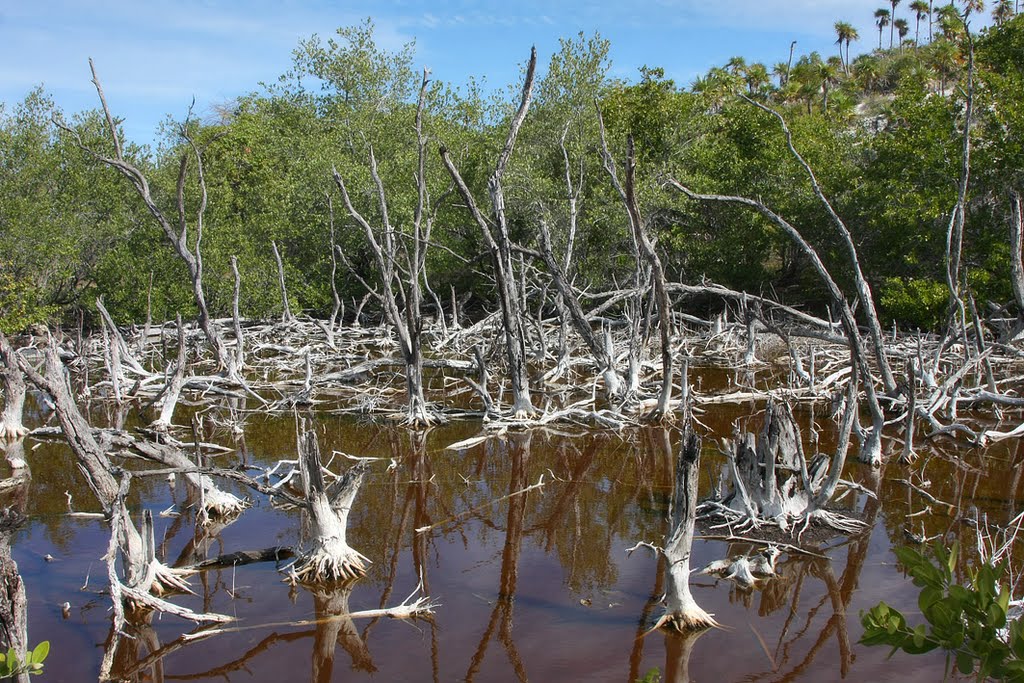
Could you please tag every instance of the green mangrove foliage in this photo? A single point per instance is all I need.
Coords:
(882, 130)
(968, 620)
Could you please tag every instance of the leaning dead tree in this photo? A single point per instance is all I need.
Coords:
(145, 576)
(187, 248)
(644, 250)
(496, 236)
(401, 300)
(863, 288)
(330, 558)
(871, 439)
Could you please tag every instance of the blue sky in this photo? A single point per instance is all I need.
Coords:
(154, 56)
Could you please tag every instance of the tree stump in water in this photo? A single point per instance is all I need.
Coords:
(682, 613)
(331, 558)
(773, 482)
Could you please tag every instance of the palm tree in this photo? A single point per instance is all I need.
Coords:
(781, 71)
(757, 78)
(1001, 12)
(921, 10)
(828, 73)
(948, 20)
(894, 3)
(867, 72)
(944, 59)
(881, 20)
(902, 29)
(850, 37)
(845, 32)
(973, 6)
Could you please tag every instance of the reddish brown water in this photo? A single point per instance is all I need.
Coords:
(536, 586)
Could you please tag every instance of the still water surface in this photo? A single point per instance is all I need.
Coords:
(536, 586)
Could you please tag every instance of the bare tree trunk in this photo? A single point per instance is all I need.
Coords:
(174, 385)
(402, 301)
(338, 306)
(286, 312)
(331, 558)
(236, 318)
(13, 384)
(570, 304)
(496, 236)
(638, 230)
(179, 237)
(957, 316)
(149, 317)
(13, 601)
(1016, 245)
(682, 613)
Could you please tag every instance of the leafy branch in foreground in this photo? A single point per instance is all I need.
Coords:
(972, 623)
(11, 665)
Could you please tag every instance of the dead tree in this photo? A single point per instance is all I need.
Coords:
(13, 384)
(402, 300)
(330, 558)
(286, 312)
(682, 613)
(13, 600)
(172, 390)
(496, 236)
(863, 288)
(772, 482)
(570, 305)
(177, 236)
(871, 440)
(645, 248)
(236, 318)
(338, 306)
(1016, 245)
(145, 575)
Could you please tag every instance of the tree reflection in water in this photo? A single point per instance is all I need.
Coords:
(504, 603)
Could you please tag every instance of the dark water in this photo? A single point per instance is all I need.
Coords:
(537, 586)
